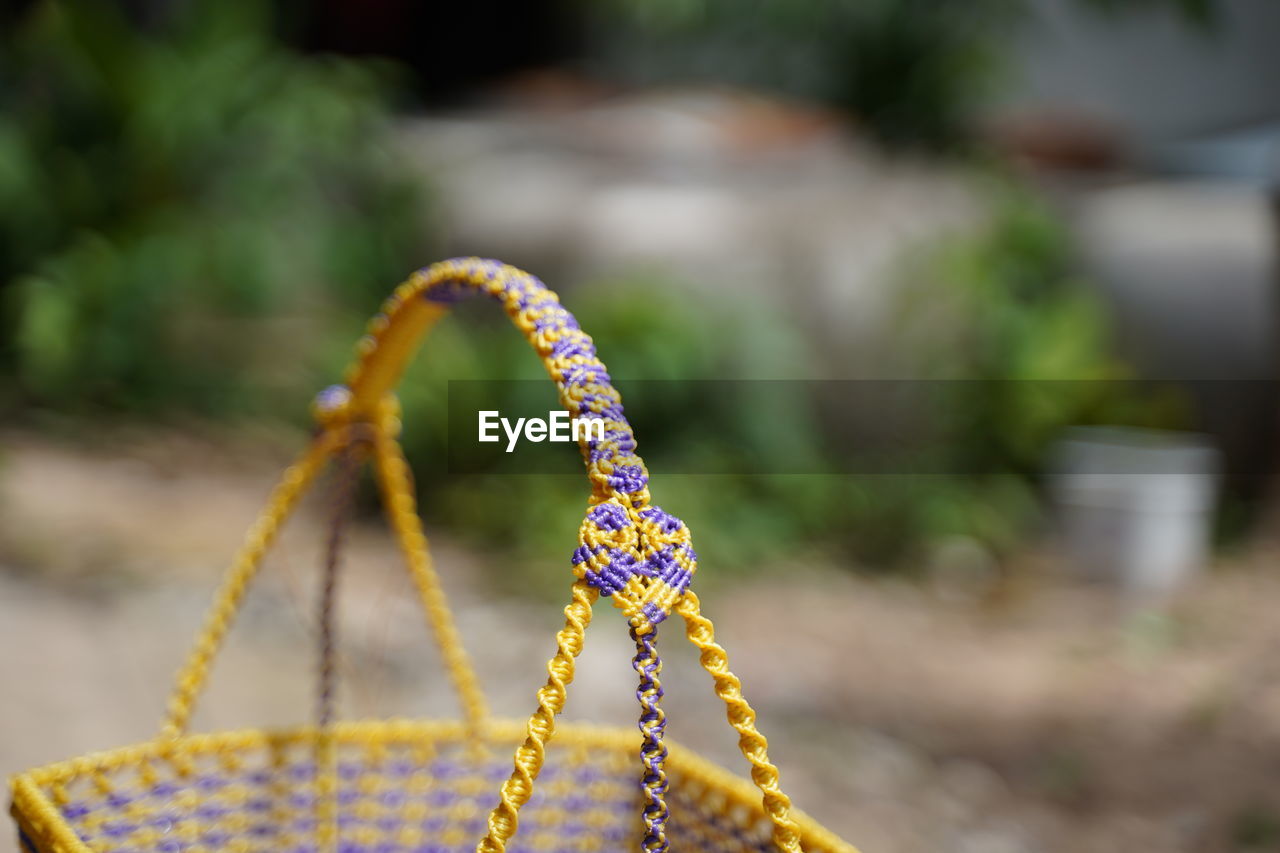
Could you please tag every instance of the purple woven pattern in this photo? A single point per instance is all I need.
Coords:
(708, 825)
(631, 551)
(653, 753)
(643, 557)
(395, 801)
(414, 796)
(571, 358)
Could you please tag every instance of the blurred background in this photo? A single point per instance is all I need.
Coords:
(1032, 242)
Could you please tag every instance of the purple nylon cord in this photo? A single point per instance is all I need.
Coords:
(653, 752)
(346, 478)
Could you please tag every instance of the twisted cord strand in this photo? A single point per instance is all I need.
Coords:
(191, 678)
(345, 479)
(566, 351)
(653, 753)
(530, 755)
(396, 483)
(620, 482)
(777, 805)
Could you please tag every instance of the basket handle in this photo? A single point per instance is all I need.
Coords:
(628, 550)
(566, 351)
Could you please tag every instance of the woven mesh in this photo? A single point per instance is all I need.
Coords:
(401, 788)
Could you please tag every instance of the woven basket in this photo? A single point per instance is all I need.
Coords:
(401, 786)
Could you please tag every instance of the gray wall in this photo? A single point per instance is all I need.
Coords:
(1150, 72)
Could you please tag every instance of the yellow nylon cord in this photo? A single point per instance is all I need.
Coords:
(366, 410)
(777, 805)
(326, 785)
(41, 820)
(392, 337)
(529, 757)
(36, 792)
(191, 678)
(396, 483)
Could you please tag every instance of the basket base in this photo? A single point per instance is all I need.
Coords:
(394, 786)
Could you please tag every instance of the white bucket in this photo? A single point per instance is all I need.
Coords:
(1135, 507)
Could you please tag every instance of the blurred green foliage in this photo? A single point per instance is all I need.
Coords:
(1035, 338)
(1024, 351)
(196, 219)
(162, 187)
(909, 72)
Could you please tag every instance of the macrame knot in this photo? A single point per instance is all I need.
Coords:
(641, 559)
(335, 408)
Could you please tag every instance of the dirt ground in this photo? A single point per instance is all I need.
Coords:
(1043, 716)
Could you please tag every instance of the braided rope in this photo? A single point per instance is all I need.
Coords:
(345, 479)
(777, 805)
(396, 483)
(567, 352)
(41, 820)
(530, 755)
(653, 753)
(244, 568)
(634, 553)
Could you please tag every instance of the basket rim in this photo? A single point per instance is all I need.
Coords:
(29, 800)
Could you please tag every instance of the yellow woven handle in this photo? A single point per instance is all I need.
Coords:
(621, 532)
(628, 549)
(567, 352)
